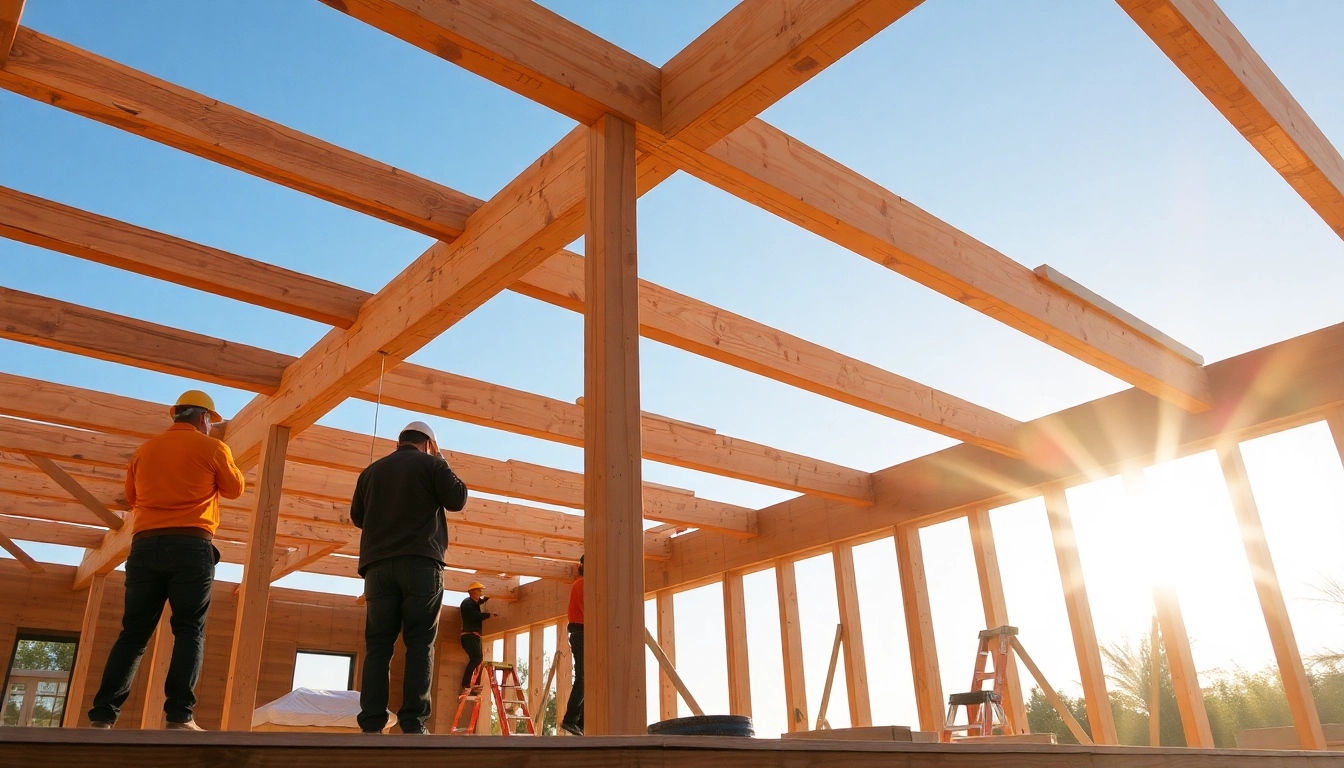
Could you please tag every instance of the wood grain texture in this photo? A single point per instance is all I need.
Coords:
(60, 74)
(667, 641)
(995, 606)
(856, 660)
(735, 641)
(564, 672)
(88, 636)
(17, 552)
(71, 485)
(154, 666)
(11, 11)
(1181, 663)
(791, 646)
(919, 628)
(85, 235)
(1208, 49)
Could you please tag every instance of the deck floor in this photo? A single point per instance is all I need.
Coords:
(152, 749)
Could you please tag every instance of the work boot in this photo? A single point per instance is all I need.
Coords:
(572, 729)
(103, 724)
(190, 725)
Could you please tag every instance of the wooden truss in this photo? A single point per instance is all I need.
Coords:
(63, 450)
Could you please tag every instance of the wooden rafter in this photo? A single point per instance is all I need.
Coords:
(28, 562)
(1209, 49)
(58, 73)
(11, 11)
(81, 494)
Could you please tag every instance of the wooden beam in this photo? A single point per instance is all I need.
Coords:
(11, 11)
(768, 168)
(667, 640)
(1335, 421)
(1296, 684)
(996, 610)
(48, 532)
(249, 628)
(71, 485)
(735, 642)
(28, 562)
(757, 54)
(715, 333)
(791, 645)
(1181, 663)
(536, 671)
(1208, 48)
(856, 661)
(103, 559)
(57, 73)
(297, 559)
(919, 629)
(564, 673)
(84, 235)
(1085, 646)
(526, 48)
(614, 695)
(546, 523)
(160, 656)
(84, 653)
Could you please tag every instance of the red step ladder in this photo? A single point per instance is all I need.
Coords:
(984, 708)
(510, 701)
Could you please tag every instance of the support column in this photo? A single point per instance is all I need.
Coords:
(996, 610)
(667, 640)
(536, 670)
(614, 695)
(1181, 663)
(856, 663)
(564, 673)
(919, 629)
(1296, 685)
(156, 665)
(88, 632)
(487, 701)
(791, 644)
(1090, 669)
(735, 641)
(249, 627)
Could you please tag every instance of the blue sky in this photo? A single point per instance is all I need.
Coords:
(1054, 131)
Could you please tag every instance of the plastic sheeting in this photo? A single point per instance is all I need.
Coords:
(312, 708)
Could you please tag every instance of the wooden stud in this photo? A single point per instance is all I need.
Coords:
(160, 656)
(996, 610)
(822, 723)
(791, 643)
(249, 629)
(670, 670)
(614, 695)
(108, 517)
(1181, 663)
(1155, 687)
(1050, 694)
(536, 670)
(28, 562)
(919, 628)
(856, 661)
(1085, 646)
(487, 701)
(84, 653)
(564, 680)
(667, 640)
(735, 642)
(11, 11)
(1296, 684)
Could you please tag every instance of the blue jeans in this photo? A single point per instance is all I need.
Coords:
(403, 596)
(179, 570)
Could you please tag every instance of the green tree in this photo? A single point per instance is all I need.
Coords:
(46, 655)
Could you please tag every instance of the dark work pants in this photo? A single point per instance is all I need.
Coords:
(574, 710)
(472, 645)
(403, 596)
(179, 570)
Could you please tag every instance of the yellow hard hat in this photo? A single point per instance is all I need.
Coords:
(197, 398)
(475, 585)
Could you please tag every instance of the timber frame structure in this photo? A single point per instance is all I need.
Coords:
(63, 450)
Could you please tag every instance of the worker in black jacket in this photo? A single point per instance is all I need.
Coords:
(399, 506)
(472, 616)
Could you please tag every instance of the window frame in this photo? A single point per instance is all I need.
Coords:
(352, 656)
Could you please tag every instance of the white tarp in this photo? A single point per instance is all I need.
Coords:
(309, 707)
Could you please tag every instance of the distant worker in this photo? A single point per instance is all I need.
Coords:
(173, 485)
(573, 723)
(399, 506)
(472, 616)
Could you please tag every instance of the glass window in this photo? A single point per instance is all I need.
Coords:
(39, 674)
(323, 671)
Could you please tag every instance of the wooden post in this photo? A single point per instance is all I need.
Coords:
(160, 656)
(791, 643)
(510, 648)
(1085, 645)
(739, 658)
(88, 632)
(564, 674)
(667, 666)
(919, 629)
(1181, 663)
(996, 610)
(249, 627)
(487, 701)
(536, 670)
(1296, 685)
(856, 663)
(667, 640)
(614, 695)
(1154, 688)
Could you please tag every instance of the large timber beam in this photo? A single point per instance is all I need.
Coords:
(11, 11)
(1208, 48)
(57, 73)
(766, 167)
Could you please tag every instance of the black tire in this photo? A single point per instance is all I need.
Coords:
(705, 725)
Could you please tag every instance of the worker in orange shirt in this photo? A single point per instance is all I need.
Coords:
(573, 722)
(173, 486)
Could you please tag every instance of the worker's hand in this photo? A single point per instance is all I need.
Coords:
(483, 599)
(217, 429)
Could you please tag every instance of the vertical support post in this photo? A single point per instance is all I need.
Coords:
(614, 695)
(919, 629)
(564, 673)
(511, 648)
(1181, 663)
(160, 655)
(667, 640)
(536, 670)
(88, 632)
(791, 643)
(996, 610)
(249, 626)
(1154, 687)
(1090, 669)
(735, 631)
(1296, 685)
(487, 700)
(856, 662)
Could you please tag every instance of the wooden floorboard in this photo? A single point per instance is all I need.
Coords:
(78, 747)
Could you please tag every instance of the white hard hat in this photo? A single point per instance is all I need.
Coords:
(422, 428)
